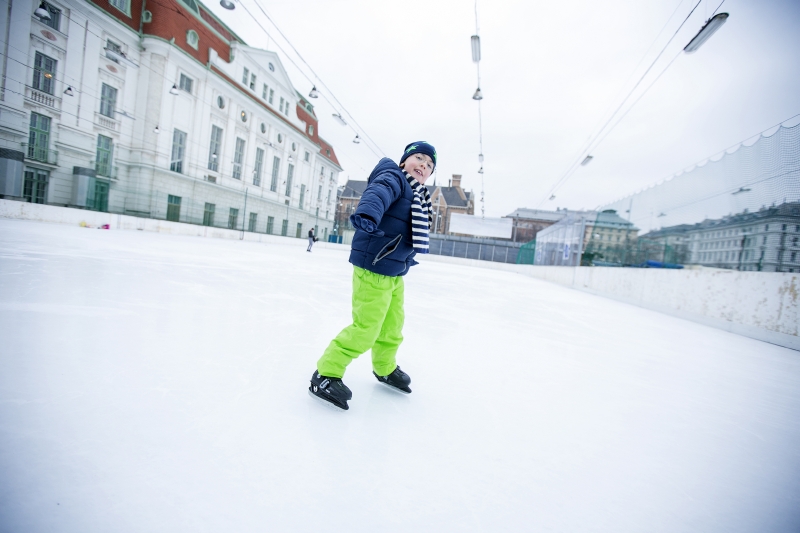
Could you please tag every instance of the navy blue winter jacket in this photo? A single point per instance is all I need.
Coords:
(382, 243)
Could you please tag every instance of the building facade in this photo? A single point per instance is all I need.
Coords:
(448, 200)
(767, 240)
(529, 222)
(158, 110)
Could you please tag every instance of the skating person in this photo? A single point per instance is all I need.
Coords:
(311, 239)
(392, 222)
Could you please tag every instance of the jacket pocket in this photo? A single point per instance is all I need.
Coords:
(390, 247)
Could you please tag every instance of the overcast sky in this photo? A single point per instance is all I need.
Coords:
(551, 72)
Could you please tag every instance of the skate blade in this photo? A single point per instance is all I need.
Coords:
(392, 387)
(329, 403)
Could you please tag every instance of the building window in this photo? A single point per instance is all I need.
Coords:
(191, 3)
(253, 81)
(233, 218)
(238, 158)
(122, 5)
(265, 92)
(257, 167)
(35, 186)
(105, 150)
(280, 107)
(793, 257)
(299, 232)
(302, 195)
(276, 166)
(220, 102)
(192, 39)
(208, 214)
(39, 137)
(286, 108)
(251, 224)
(214, 148)
(307, 157)
(289, 176)
(178, 151)
(263, 128)
(113, 47)
(270, 224)
(245, 76)
(185, 83)
(55, 16)
(174, 208)
(284, 227)
(311, 130)
(108, 100)
(243, 114)
(271, 95)
(44, 73)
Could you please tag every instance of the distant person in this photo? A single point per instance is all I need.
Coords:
(392, 222)
(311, 239)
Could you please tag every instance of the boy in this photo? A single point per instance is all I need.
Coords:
(392, 221)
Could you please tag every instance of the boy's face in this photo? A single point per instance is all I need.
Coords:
(419, 166)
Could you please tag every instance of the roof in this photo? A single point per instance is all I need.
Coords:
(610, 219)
(451, 196)
(353, 189)
(538, 214)
(790, 210)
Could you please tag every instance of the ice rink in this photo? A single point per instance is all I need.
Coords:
(156, 383)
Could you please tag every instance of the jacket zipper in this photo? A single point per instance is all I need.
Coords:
(388, 244)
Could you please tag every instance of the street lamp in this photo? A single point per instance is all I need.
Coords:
(708, 29)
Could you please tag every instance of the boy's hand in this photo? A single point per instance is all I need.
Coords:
(366, 224)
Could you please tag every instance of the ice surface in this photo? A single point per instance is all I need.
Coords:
(156, 383)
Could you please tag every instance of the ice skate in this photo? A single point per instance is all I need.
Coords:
(330, 390)
(397, 380)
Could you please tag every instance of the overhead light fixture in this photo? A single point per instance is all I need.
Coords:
(156, 129)
(476, 48)
(741, 190)
(480, 158)
(42, 12)
(214, 155)
(339, 119)
(478, 94)
(48, 75)
(69, 92)
(587, 160)
(480, 171)
(357, 140)
(174, 90)
(314, 92)
(552, 197)
(227, 4)
(708, 29)
(290, 159)
(662, 215)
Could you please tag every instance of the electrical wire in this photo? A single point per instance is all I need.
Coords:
(379, 152)
(592, 144)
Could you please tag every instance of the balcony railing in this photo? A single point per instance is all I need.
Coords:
(106, 171)
(40, 154)
(106, 122)
(42, 98)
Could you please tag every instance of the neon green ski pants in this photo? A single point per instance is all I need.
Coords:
(378, 318)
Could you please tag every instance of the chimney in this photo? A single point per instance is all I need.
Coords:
(456, 180)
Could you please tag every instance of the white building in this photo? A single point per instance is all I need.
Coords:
(767, 240)
(157, 110)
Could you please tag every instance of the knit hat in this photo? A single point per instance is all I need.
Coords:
(419, 147)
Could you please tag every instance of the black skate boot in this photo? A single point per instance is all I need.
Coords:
(398, 380)
(331, 390)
